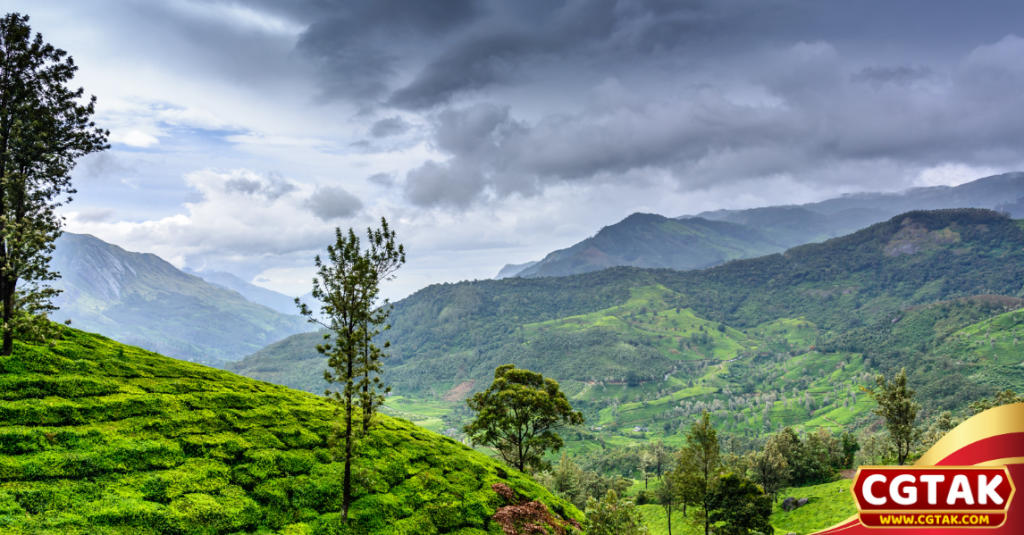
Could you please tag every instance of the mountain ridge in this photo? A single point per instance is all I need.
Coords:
(783, 227)
(142, 299)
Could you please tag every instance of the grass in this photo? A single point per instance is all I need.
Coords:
(102, 438)
(828, 505)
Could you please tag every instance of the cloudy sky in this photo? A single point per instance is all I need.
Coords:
(494, 131)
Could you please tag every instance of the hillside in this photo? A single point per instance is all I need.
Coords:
(650, 348)
(143, 300)
(97, 437)
(654, 241)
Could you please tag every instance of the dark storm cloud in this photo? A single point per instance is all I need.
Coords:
(333, 202)
(392, 126)
(901, 75)
(273, 188)
(827, 122)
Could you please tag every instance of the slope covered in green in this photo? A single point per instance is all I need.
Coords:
(143, 300)
(448, 334)
(782, 340)
(102, 438)
(654, 241)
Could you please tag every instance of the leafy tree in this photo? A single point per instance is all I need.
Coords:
(740, 505)
(519, 414)
(850, 447)
(667, 497)
(613, 516)
(769, 468)
(698, 468)
(1005, 397)
(347, 287)
(897, 406)
(43, 130)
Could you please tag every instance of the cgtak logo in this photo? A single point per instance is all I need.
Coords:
(934, 496)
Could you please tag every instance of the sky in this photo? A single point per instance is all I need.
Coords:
(243, 133)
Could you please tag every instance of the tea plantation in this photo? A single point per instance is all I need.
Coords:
(102, 438)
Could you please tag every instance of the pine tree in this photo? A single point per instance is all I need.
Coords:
(43, 130)
(347, 286)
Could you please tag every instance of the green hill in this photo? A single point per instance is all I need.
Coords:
(786, 339)
(654, 241)
(102, 438)
(143, 300)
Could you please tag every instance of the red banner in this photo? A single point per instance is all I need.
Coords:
(963, 485)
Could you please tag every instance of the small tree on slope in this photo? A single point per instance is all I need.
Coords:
(347, 287)
(519, 414)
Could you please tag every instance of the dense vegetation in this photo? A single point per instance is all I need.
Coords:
(633, 325)
(98, 437)
(781, 341)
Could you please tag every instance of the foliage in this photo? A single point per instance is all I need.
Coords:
(896, 404)
(740, 505)
(613, 516)
(577, 485)
(523, 517)
(698, 469)
(98, 437)
(769, 468)
(347, 288)
(667, 497)
(43, 130)
(519, 416)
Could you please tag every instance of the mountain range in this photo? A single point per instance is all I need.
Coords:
(449, 333)
(143, 300)
(704, 240)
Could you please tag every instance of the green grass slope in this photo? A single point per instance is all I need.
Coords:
(102, 438)
(827, 505)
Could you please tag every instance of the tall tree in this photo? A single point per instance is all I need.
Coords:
(384, 258)
(519, 414)
(347, 286)
(769, 468)
(43, 130)
(698, 468)
(897, 406)
(667, 497)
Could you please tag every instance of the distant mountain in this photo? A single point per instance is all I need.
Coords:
(646, 240)
(814, 222)
(268, 298)
(511, 270)
(141, 299)
(654, 241)
(790, 226)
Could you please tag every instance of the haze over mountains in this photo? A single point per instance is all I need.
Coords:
(143, 300)
(713, 238)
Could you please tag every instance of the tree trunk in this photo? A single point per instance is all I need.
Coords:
(8, 313)
(347, 485)
(669, 519)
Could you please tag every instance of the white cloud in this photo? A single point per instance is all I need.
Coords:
(134, 138)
